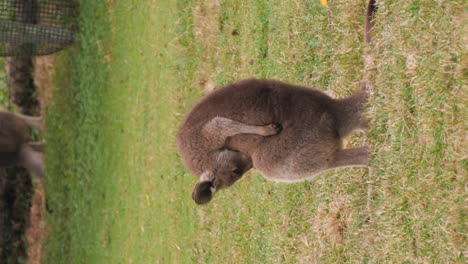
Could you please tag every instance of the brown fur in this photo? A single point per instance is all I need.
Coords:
(15, 145)
(371, 10)
(310, 141)
(313, 125)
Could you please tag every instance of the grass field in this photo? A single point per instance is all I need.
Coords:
(118, 193)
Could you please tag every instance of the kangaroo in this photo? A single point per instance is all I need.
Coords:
(15, 145)
(225, 135)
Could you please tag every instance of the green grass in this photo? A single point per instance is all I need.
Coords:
(117, 189)
(4, 104)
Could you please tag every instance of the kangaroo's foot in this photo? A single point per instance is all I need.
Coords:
(271, 130)
(32, 160)
(37, 146)
(32, 121)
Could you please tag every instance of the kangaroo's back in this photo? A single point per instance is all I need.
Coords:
(256, 102)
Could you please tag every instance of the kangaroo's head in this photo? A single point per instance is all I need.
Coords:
(227, 167)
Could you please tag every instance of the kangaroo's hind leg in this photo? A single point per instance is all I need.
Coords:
(351, 157)
(31, 160)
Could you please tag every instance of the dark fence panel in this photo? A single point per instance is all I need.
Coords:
(36, 27)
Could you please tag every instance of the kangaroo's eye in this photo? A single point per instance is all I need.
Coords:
(237, 171)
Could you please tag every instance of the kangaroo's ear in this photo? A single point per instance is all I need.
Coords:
(203, 192)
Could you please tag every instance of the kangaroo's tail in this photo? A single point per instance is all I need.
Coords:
(371, 9)
(368, 58)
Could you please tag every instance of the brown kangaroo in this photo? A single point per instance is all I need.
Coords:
(287, 132)
(15, 145)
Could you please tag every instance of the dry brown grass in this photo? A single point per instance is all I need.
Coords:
(38, 229)
(331, 223)
(416, 66)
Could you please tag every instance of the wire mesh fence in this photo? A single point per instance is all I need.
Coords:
(36, 27)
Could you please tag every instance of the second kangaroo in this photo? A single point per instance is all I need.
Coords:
(15, 145)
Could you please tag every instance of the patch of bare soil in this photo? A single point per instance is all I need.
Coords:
(333, 222)
(22, 203)
(38, 229)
